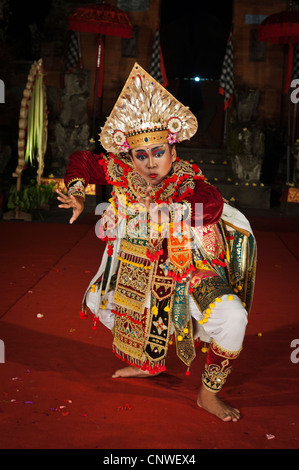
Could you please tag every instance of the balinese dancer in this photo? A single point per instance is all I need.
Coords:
(179, 263)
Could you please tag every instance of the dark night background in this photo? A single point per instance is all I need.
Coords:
(197, 22)
(200, 23)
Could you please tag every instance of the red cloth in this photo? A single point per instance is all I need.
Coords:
(85, 164)
(212, 201)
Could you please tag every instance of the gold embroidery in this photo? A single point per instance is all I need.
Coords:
(76, 187)
(162, 287)
(205, 291)
(215, 376)
(74, 180)
(132, 263)
(223, 352)
(157, 332)
(183, 324)
(132, 288)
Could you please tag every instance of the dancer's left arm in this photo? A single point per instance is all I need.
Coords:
(212, 204)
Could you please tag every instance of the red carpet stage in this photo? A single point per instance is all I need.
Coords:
(56, 390)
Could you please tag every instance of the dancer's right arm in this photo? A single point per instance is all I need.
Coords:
(83, 169)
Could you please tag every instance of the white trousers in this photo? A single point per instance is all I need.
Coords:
(226, 324)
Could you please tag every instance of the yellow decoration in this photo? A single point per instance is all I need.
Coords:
(147, 138)
(230, 297)
(204, 349)
(180, 338)
(155, 310)
(227, 254)
(186, 330)
(167, 308)
(207, 314)
(199, 265)
(218, 300)
(137, 265)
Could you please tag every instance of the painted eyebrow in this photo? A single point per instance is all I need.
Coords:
(154, 148)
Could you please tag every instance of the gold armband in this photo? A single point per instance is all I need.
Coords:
(76, 187)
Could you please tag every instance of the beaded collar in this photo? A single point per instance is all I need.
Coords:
(178, 185)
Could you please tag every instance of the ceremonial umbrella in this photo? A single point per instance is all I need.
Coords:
(104, 20)
(283, 28)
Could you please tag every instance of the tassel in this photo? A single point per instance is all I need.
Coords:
(83, 314)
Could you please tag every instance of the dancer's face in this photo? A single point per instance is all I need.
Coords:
(153, 162)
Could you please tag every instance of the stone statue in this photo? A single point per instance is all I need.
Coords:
(246, 103)
(72, 130)
(247, 156)
(246, 140)
(247, 169)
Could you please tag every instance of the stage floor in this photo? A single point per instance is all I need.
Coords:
(56, 390)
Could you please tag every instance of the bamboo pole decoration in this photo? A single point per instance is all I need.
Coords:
(33, 123)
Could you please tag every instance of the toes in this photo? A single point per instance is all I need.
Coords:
(227, 418)
(232, 415)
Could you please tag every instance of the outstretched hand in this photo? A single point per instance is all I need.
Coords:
(159, 213)
(71, 202)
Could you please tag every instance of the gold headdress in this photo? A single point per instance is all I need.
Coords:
(146, 113)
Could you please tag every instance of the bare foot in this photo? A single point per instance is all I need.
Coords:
(210, 402)
(131, 371)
